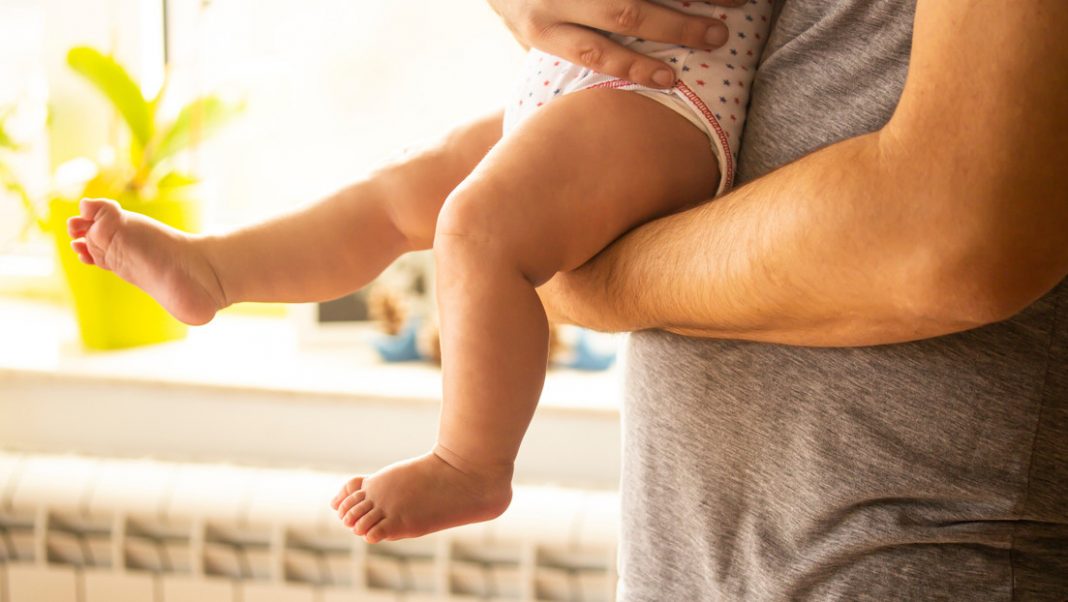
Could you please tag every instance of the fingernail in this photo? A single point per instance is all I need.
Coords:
(664, 77)
(716, 36)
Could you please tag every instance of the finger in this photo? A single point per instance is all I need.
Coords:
(351, 486)
(97, 254)
(78, 226)
(660, 24)
(596, 52)
(82, 250)
(95, 209)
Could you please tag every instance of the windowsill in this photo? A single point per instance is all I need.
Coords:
(30, 275)
(220, 391)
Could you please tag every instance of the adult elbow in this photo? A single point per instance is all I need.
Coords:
(984, 236)
(973, 304)
(969, 290)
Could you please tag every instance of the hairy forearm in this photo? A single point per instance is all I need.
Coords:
(841, 248)
(795, 257)
(951, 216)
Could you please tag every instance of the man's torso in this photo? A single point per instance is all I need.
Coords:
(929, 470)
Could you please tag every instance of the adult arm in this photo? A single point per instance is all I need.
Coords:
(952, 216)
(566, 28)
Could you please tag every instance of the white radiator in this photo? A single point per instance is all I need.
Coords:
(77, 529)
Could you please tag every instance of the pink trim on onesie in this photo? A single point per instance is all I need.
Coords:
(719, 78)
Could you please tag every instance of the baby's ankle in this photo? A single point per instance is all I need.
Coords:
(498, 469)
(202, 247)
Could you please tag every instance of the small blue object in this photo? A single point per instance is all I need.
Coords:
(588, 358)
(399, 347)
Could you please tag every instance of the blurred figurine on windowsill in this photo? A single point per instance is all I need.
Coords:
(409, 338)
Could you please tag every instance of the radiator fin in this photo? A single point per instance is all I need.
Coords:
(83, 529)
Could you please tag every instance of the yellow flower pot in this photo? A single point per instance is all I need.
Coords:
(111, 313)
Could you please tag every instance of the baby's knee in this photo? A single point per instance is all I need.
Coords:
(469, 216)
(480, 228)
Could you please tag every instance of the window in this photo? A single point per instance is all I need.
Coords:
(34, 38)
(23, 112)
(333, 88)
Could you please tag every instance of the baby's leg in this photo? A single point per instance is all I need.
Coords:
(316, 252)
(572, 177)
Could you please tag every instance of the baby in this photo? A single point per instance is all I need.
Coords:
(583, 159)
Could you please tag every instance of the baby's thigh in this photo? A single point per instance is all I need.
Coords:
(579, 172)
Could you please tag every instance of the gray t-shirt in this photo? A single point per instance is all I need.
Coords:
(933, 470)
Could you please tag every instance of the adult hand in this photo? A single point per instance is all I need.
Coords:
(565, 28)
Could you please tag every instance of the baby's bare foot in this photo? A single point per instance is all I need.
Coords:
(156, 258)
(420, 496)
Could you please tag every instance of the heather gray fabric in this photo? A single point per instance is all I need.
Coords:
(935, 470)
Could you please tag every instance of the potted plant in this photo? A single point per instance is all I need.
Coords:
(111, 313)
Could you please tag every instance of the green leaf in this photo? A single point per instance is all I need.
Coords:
(11, 184)
(155, 102)
(5, 138)
(115, 83)
(7, 178)
(195, 123)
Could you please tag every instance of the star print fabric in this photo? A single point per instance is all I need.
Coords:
(711, 89)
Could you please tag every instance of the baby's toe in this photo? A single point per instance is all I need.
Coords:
(349, 507)
(354, 484)
(368, 521)
(348, 500)
(379, 532)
